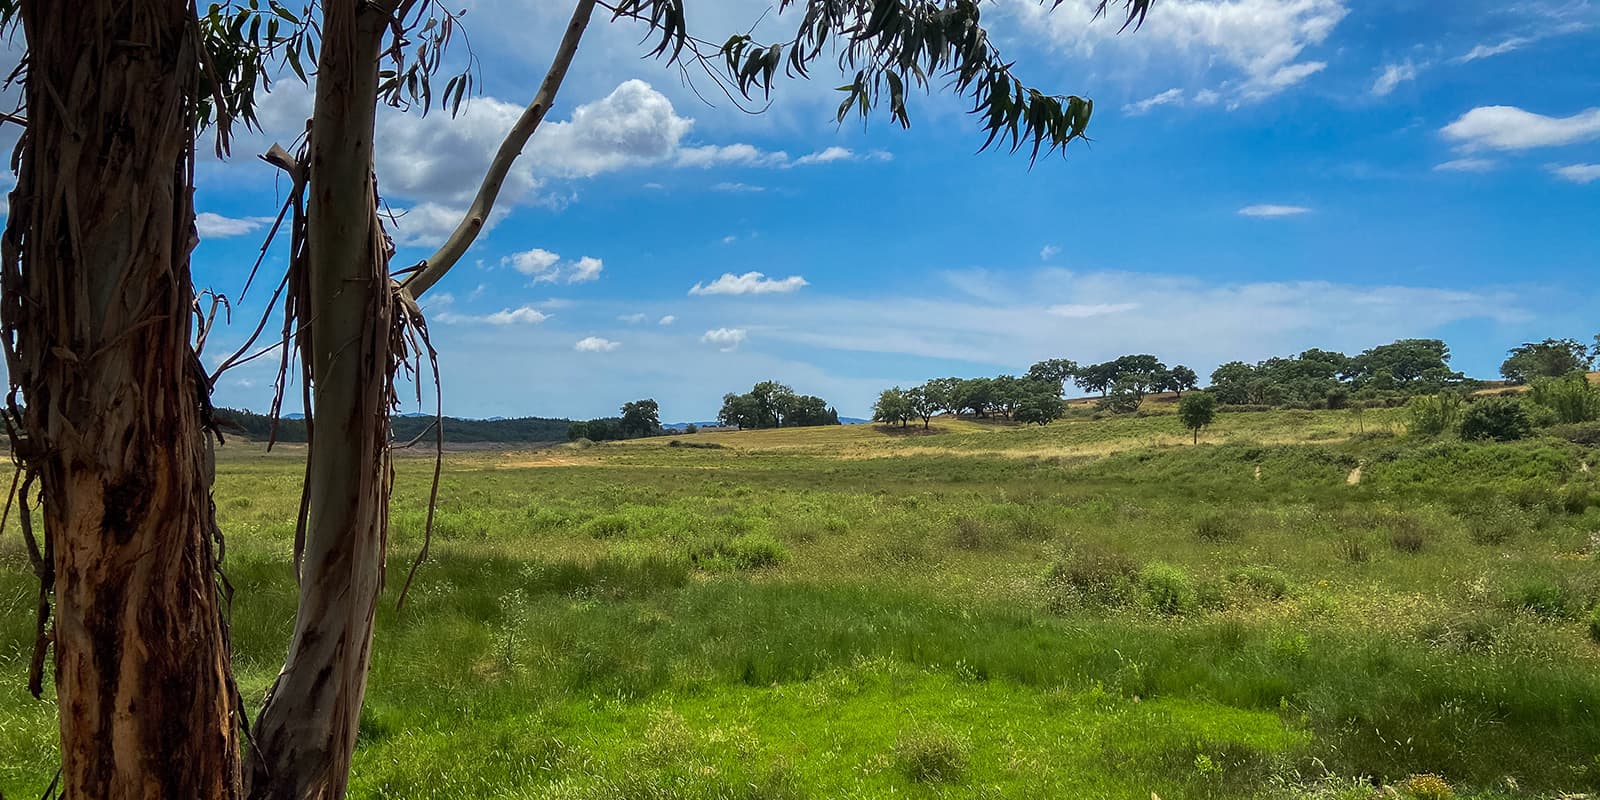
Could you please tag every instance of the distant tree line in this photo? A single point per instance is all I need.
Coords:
(258, 427)
(770, 404)
(639, 419)
(1036, 397)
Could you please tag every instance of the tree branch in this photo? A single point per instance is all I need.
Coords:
(429, 271)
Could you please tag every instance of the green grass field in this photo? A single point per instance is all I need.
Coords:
(1094, 609)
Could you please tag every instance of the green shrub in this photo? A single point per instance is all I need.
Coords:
(1496, 525)
(932, 756)
(1091, 575)
(1594, 624)
(1572, 398)
(1432, 415)
(973, 534)
(1502, 419)
(1168, 588)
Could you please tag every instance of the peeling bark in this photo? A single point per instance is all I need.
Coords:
(97, 311)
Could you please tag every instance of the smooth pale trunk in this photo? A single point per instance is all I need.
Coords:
(97, 296)
(307, 729)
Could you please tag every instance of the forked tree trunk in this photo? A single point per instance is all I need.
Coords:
(307, 730)
(98, 317)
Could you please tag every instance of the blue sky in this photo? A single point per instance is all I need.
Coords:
(1264, 176)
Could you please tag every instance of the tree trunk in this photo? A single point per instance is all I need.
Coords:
(307, 729)
(98, 317)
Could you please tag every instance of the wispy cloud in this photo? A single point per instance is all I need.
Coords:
(1269, 210)
(1392, 76)
(667, 320)
(524, 315)
(1466, 165)
(1512, 128)
(216, 226)
(1048, 252)
(1577, 173)
(1084, 310)
(632, 319)
(1144, 106)
(749, 283)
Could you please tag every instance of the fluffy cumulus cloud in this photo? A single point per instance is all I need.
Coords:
(216, 226)
(1577, 173)
(428, 224)
(725, 339)
(1259, 45)
(667, 320)
(595, 344)
(749, 283)
(544, 266)
(1270, 210)
(1512, 128)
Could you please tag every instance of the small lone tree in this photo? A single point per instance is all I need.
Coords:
(1197, 411)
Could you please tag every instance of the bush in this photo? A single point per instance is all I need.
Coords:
(1496, 526)
(1338, 397)
(1168, 588)
(610, 526)
(756, 551)
(1091, 575)
(1432, 415)
(973, 534)
(1572, 398)
(931, 757)
(1502, 419)
(1594, 624)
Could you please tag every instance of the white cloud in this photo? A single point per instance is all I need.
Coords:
(631, 126)
(727, 339)
(1491, 50)
(749, 283)
(1511, 128)
(736, 154)
(632, 319)
(429, 224)
(1167, 97)
(1394, 75)
(1085, 310)
(734, 186)
(1465, 165)
(586, 269)
(667, 320)
(544, 266)
(1260, 43)
(216, 226)
(1048, 252)
(595, 344)
(1578, 173)
(1270, 210)
(524, 315)
(533, 262)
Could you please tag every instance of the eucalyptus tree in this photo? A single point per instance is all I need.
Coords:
(109, 409)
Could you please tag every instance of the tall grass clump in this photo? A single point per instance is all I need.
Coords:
(1218, 528)
(1432, 415)
(932, 756)
(1091, 575)
(1573, 398)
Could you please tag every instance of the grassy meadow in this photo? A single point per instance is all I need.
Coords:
(1305, 605)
